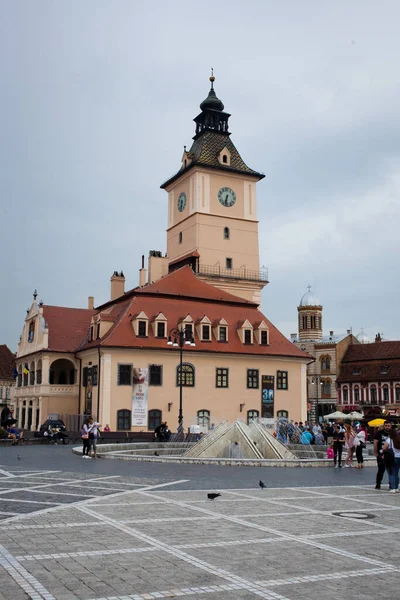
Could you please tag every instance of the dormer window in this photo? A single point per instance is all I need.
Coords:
(205, 333)
(188, 331)
(161, 329)
(248, 336)
(264, 338)
(223, 334)
(225, 159)
(227, 233)
(142, 328)
(356, 370)
(384, 370)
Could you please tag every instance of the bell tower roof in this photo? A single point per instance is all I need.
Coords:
(211, 138)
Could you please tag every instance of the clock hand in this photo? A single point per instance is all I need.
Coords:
(226, 199)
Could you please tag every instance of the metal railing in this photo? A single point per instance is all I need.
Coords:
(242, 273)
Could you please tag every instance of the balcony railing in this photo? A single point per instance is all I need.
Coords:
(46, 389)
(242, 273)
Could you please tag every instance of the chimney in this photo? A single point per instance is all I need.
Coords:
(378, 338)
(348, 331)
(90, 302)
(331, 333)
(117, 285)
(142, 274)
(293, 337)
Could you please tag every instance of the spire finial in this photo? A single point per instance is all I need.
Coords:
(212, 78)
(309, 287)
(35, 294)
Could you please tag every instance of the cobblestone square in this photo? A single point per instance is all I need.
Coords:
(77, 535)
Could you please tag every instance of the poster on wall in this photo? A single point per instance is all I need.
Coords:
(139, 397)
(267, 396)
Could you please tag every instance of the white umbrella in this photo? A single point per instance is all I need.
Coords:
(354, 416)
(336, 415)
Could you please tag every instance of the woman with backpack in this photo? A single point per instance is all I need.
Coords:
(391, 458)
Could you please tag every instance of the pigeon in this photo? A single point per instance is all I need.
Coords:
(156, 453)
(212, 496)
(261, 484)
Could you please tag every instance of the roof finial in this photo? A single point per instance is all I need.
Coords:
(212, 78)
(309, 287)
(35, 294)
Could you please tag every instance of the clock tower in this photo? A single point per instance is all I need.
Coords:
(212, 208)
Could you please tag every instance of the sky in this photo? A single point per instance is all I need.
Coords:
(97, 100)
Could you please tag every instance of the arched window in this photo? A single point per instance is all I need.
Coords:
(356, 395)
(155, 417)
(32, 374)
(227, 233)
(123, 419)
(252, 415)
(325, 363)
(304, 322)
(373, 397)
(326, 388)
(203, 418)
(180, 237)
(31, 332)
(385, 393)
(345, 395)
(187, 376)
(284, 414)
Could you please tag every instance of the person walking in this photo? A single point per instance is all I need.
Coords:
(337, 444)
(392, 444)
(349, 436)
(85, 440)
(361, 437)
(93, 434)
(379, 439)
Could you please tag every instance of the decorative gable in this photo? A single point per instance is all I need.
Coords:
(159, 325)
(220, 330)
(140, 324)
(261, 333)
(203, 329)
(245, 331)
(224, 157)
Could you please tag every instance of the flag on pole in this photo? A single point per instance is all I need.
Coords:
(26, 370)
(15, 373)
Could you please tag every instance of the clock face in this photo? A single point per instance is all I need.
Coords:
(226, 196)
(182, 202)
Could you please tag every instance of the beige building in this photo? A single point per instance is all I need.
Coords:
(7, 380)
(327, 351)
(234, 362)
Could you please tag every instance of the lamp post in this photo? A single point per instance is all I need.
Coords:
(178, 338)
(318, 380)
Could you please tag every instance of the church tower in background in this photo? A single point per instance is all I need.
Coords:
(212, 209)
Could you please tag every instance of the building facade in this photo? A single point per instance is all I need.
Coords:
(208, 286)
(369, 378)
(7, 381)
(327, 352)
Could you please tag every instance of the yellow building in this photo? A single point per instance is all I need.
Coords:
(204, 295)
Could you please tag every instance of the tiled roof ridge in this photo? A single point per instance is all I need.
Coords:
(119, 320)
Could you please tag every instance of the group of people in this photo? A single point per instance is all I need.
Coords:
(353, 440)
(387, 452)
(162, 433)
(90, 435)
(55, 434)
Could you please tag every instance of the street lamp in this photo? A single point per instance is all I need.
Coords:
(318, 380)
(178, 338)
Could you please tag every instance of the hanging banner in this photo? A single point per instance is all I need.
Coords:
(267, 396)
(139, 397)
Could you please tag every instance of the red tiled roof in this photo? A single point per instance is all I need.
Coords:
(369, 360)
(183, 283)
(68, 327)
(194, 254)
(7, 362)
(376, 351)
(181, 293)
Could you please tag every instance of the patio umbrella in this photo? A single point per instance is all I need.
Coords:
(355, 415)
(336, 415)
(376, 422)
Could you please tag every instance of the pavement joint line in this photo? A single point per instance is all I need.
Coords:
(231, 587)
(63, 506)
(372, 504)
(30, 585)
(31, 501)
(7, 474)
(43, 485)
(196, 562)
(287, 536)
